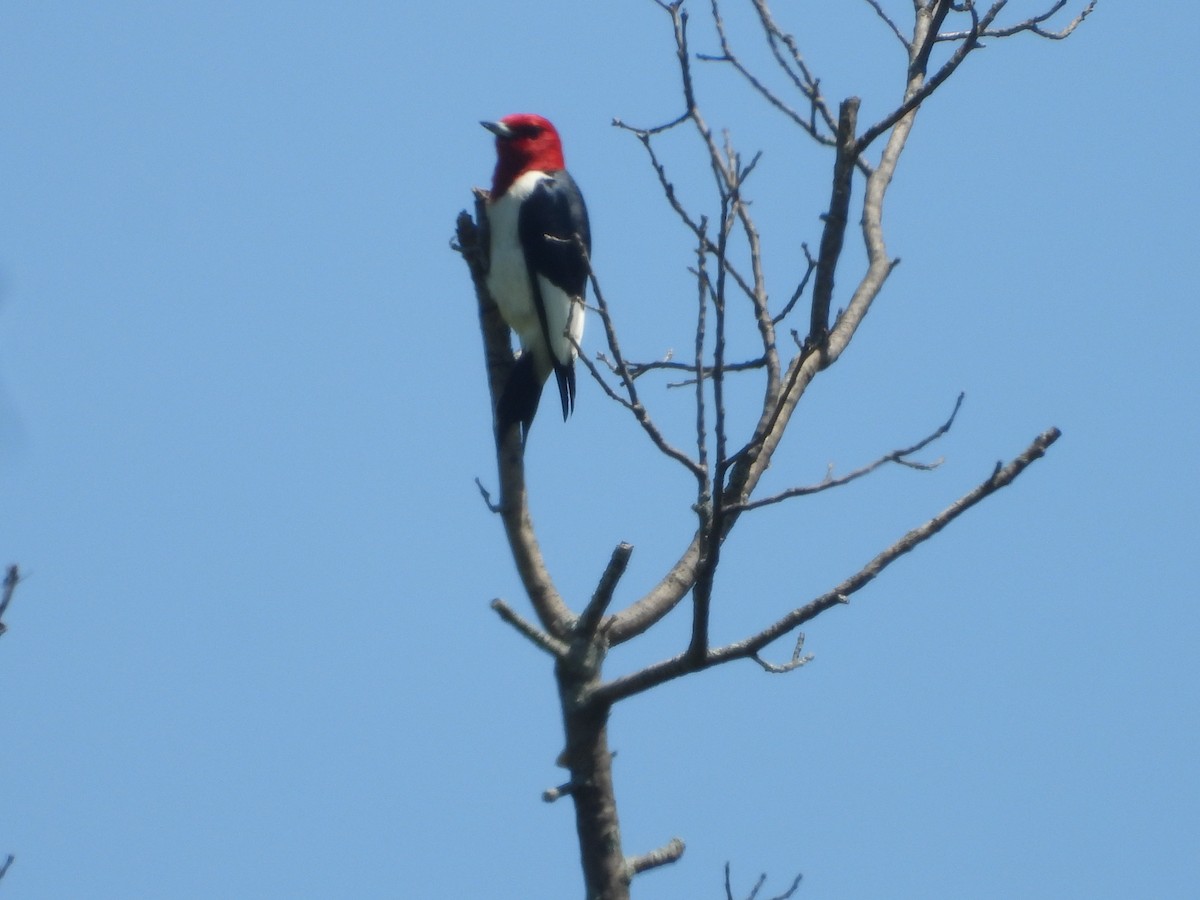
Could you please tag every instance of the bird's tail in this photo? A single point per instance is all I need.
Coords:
(565, 374)
(519, 400)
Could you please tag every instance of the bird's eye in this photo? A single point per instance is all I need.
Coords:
(529, 131)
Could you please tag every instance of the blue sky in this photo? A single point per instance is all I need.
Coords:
(242, 408)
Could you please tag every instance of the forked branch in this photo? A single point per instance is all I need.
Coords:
(1032, 25)
(658, 673)
(899, 457)
(758, 886)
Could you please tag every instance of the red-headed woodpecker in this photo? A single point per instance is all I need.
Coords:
(537, 272)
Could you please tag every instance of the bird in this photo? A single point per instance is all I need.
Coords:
(539, 242)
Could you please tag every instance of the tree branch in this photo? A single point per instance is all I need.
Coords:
(891, 24)
(835, 220)
(758, 885)
(695, 227)
(799, 658)
(589, 619)
(1031, 25)
(923, 41)
(664, 855)
(634, 404)
(752, 460)
(540, 639)
(637, 370)
(809, 87)
(514, 501)
(899, 457)
(627, 685)
(796, 294)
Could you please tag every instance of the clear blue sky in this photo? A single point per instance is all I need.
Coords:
(242, 407)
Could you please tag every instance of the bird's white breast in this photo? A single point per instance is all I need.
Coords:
(508, 276)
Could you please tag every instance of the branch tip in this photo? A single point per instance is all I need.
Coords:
(539, 638)
(589, 621)
(664, 855)
(12, 578)
(557, 793)
(684, 663)
(796, 661)
(487, 497)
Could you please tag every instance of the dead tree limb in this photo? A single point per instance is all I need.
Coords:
(758, 886)
(658, 673)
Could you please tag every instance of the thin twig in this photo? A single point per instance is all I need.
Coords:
(702, 291)
(589, 619)
(799, 658)
(899, 457)
(540, 639)
(11, 577)
(758, 885)
(892, 25)
(639, 369)
(656, 129)
(918, 96)
(668, 189)
(664, 855)
(808, 86)
(683, 663)
(634, 404)
(786, 895)
(762, 316)
(596, 374)
(799, 292)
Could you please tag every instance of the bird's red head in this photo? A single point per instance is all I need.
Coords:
(524, 143)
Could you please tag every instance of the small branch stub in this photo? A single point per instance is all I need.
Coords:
(551, 645)
(487, 497)
(663, 856)
(799, 658)
(557, 793)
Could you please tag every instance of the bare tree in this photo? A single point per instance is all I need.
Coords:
(729, 278)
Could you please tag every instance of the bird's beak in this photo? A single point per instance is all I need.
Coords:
(499, 129)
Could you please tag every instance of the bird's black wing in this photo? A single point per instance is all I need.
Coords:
(550, 218)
